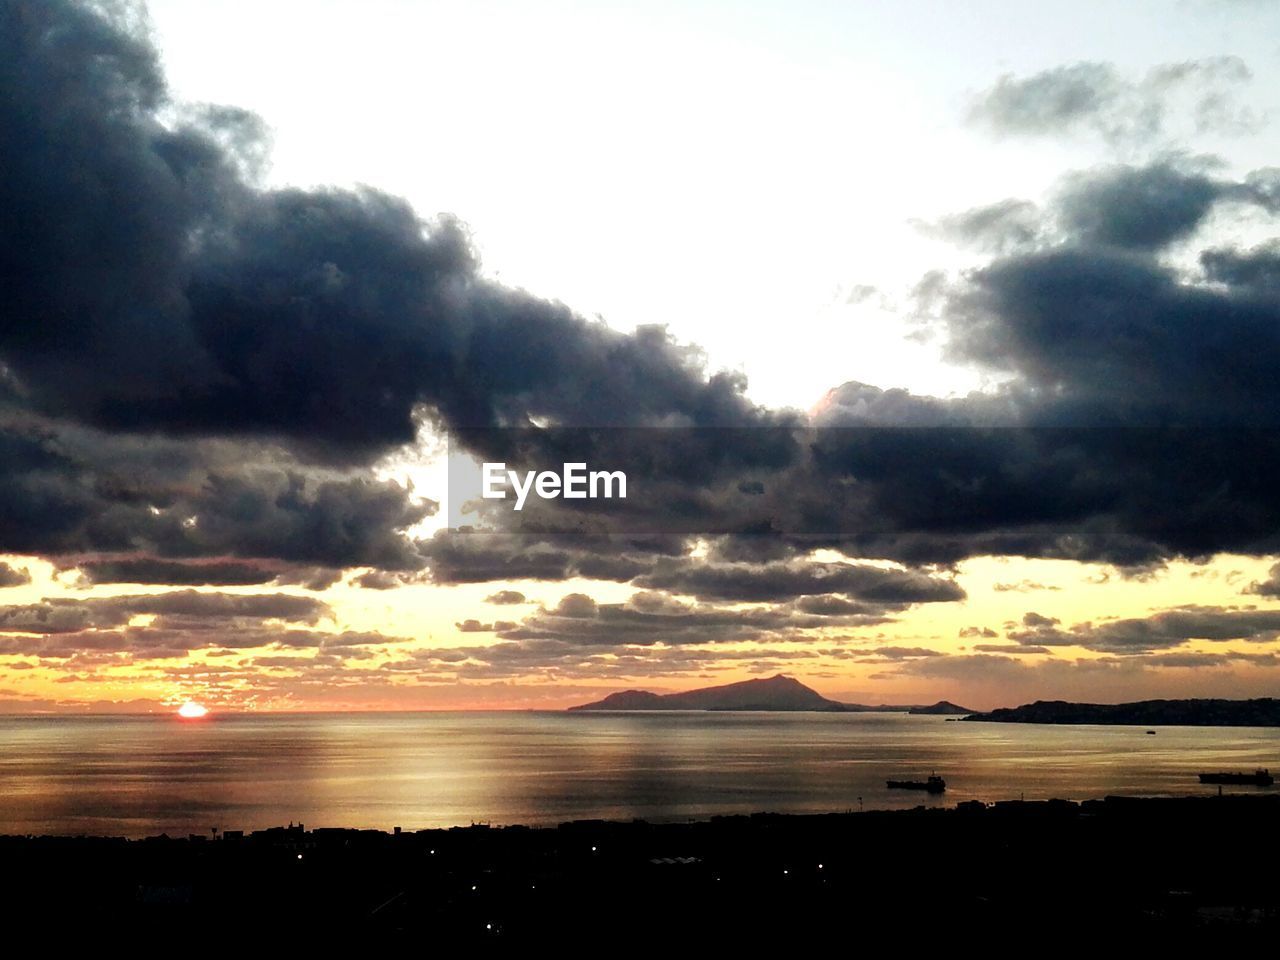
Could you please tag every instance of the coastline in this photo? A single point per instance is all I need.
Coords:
(1133, 863)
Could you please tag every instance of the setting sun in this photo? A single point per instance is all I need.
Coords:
(192, 710)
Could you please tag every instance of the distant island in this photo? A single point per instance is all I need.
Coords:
(778, 693)
(1263, 712)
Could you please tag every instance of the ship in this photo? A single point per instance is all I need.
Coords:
(934, 784)
(1259, 778)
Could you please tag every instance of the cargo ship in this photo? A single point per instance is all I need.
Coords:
(1259, 778)
(934, 784)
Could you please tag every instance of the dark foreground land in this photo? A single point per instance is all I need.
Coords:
(1203, 866)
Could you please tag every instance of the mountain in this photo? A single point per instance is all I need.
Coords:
(775, 693)
(1264, 712)
(942, 707)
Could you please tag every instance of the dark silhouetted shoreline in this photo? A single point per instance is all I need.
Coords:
(1261, 712)
(1145, 866)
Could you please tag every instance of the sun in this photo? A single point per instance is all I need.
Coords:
(192, 710)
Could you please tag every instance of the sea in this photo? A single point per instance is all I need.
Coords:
(139, 776)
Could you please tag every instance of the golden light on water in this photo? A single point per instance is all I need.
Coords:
(192, 710)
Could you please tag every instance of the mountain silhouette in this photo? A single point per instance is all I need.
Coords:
(941, 708)
(775, 693)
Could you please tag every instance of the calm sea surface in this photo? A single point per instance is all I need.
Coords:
(137, 776)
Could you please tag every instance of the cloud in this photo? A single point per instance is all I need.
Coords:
(86, 633)
(80, 637)
(778, 581)
(1033, 619)
(202, 378)
(174, 572)
(63, 615)
(1130, 207)
(382, 580)
(466, 556)
(1003, 681)
(1124, 336)
(68, 490)
(1269, 587)
(11, 576)
(1148, 207)
(1096, 98)
(1172, 628)
(903, 653)
(312, 578)
(1257, 269)
(1022, 586)
(650, 618)
(1159, 631)
(994, 228)
(1010, 649)
(1051, 100)
(577, 606)
(561, 660)
(152, 286)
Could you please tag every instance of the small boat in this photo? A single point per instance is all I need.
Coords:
(1151, 733)
(1259, 778)
(935, 784)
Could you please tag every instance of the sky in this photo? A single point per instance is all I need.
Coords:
(981, 301)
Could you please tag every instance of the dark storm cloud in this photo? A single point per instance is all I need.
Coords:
(461, 556)
(778, 581)
(62, 615)
(1257, 269)
(1172, 628)
(1098, 98)
(217, 573)
(377, 580)
(650, 618)
(1160, 631)
(1123, 335)
(177, 573)
(1141, 208)
(11, 576)
(833, 606)
(1139, 417)
(1138, 208)
(149, 286)
(66, 490)
(1145, 208)
(196, 373)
